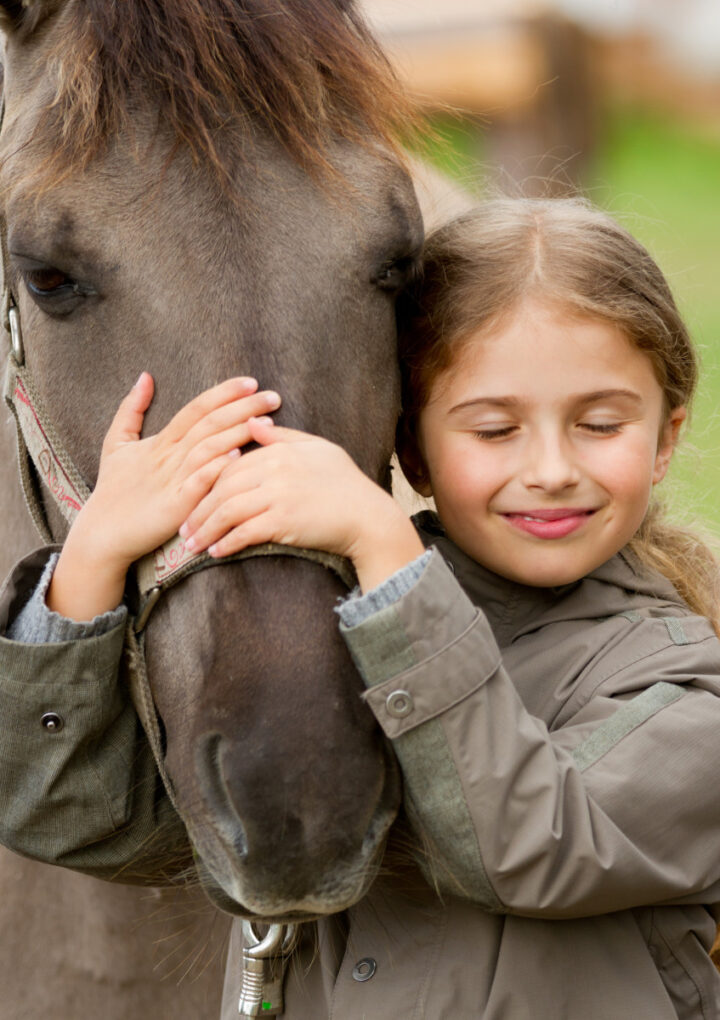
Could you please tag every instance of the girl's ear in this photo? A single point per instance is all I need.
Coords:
(668, 441)
(411, 459)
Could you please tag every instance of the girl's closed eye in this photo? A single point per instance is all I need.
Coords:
(602, 428)
(494, 431)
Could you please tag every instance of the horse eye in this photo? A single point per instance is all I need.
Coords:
(46, 281)
(396, 274)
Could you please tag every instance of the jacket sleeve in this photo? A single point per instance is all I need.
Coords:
(78, 783)
(617, 808)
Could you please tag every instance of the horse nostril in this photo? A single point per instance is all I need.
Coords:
(214, 791)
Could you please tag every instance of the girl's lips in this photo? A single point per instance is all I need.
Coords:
(549, 523)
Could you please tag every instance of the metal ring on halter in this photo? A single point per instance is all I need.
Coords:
(279, 939)
(16, 334)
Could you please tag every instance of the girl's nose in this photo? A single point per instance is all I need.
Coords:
(551, 465)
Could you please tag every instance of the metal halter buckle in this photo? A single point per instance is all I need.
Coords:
(264, 962)
(16, 334)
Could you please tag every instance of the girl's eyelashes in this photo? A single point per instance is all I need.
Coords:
(501, 432)
(602, 428)
(504, 431)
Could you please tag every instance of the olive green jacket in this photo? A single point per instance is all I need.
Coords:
(560, 756)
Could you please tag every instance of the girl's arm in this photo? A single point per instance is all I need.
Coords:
(303, 491)
(614, 809)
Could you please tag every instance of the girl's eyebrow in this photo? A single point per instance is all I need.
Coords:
(485, 402)
(578, 398)
(613, 394)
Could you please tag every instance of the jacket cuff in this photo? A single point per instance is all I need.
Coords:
(33, 661)
(37, 624)
(356, 607)
(394, 651)
(22, 582)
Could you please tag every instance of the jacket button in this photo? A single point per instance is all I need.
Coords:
(364, 969)
(399, 704)
(52, 722)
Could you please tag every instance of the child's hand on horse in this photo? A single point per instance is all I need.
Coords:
(147, 487)
(303, 491)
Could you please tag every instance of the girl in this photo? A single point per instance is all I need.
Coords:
(552, 698)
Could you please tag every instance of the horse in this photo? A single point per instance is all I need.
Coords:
(207, 190)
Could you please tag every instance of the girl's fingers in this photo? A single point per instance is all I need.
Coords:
(234, 480)
(207, 402)
(266, 433)
(197, 485)
(226, 517)
(232, 414)
(255, 531)
(216, 440)
(127, 424)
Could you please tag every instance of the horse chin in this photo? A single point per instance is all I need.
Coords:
(230, 895)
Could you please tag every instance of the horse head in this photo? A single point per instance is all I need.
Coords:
(208, 190)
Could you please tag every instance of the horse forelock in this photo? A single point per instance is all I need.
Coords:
(306, 71)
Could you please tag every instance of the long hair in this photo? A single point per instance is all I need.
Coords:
(479, 267)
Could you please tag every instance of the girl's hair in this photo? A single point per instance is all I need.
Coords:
(479, 267)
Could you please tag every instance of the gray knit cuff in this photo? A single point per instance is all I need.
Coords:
(35, 624)
(356, 607)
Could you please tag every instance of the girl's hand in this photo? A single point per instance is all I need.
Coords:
(303, 491)
(147, 487)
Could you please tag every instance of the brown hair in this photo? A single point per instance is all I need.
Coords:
(307, 71)
(480, 266)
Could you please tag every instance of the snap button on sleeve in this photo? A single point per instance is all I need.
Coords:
(52, 722)
(364, 969)
(399, 704)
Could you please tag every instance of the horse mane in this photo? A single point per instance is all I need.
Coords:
(307, 71)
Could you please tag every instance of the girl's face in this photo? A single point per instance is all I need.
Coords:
(542, 444)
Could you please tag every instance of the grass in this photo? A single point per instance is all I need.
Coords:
(660, 178)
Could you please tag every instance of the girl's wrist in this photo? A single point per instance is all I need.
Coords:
(385, 544)
(87, 580)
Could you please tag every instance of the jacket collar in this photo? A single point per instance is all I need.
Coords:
(620, 585)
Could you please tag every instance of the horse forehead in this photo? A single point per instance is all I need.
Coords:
(372, 205)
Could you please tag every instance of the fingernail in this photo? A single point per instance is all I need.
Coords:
(212, 549)
(247, 380)
(264, 420)
(183, 530)
(234, 453)
(138, 379)
(272, 398)
(190, 544)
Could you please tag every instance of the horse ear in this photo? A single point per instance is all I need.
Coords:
(25, 15)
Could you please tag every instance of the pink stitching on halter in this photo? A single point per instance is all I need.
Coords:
(169, 557)
(49, 469)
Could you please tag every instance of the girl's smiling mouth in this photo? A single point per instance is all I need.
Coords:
(556, 523)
